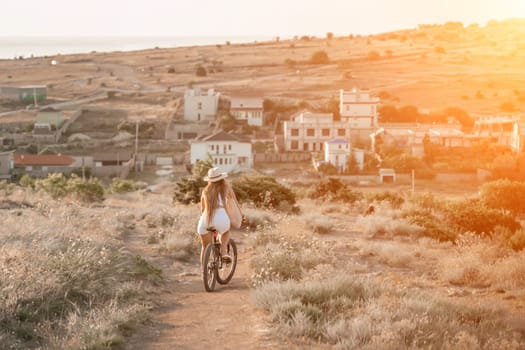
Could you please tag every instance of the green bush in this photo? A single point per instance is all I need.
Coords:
(473, 216)
(263, 191)
(505, 195)
(201, 71)
(433, 226)
(90, 190)
(509, 238)
(395, 199)
(119, 185)
(54, 184)
(334, 190)
(27, 181)
(320, 57)
(57, 185)
(188, 189)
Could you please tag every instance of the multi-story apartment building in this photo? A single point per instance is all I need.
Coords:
(358, 108)
(199, 106)
(309, 131)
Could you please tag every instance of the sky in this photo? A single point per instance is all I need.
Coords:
(283, 18)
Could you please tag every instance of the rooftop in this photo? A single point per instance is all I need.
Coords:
(42, 160)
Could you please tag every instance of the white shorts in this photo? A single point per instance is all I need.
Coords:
(220, 221)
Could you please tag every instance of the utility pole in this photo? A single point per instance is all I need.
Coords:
(136, 144)
(34, 97)
(413, 180)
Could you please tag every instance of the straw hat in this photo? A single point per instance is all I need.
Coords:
(214, 174)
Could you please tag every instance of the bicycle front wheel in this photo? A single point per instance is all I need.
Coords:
(227, 269)
(209, 270)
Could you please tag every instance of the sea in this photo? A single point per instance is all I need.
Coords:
(26, 47)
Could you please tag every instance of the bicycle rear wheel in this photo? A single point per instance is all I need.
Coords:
(225, 271)
(209, 270)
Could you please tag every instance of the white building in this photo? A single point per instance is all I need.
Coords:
(358, 109)
(308, 131)
(229, 152)
(199, 106)
(338, 151)
(501, 130)
(248, 109)
(518, 134)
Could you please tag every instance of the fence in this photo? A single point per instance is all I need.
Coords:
(281, 157)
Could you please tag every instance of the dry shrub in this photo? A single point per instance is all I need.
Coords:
(177, 236)
(319, 223)
(351, 312)
(258, 219)
(53, 280)
(283, 257)
(390, 254)
(384, 226)
(480, 262)
(66, 284)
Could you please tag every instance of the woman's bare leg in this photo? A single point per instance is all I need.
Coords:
(205, 240)
(224, 238)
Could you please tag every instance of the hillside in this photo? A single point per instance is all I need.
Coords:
(432, 67)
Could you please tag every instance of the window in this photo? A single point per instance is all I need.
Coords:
(305, 146)
(220, 161)
(229, 147)
(341, 132)
(313, 146)
(224, 148)
(310, 132)
(321, 146)
(294, 145)
(294, 132)
(326, 132)
(215, 161)
(212, 147)
(339, 146)
(199, 105)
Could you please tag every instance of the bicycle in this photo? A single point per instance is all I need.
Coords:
(215, 267)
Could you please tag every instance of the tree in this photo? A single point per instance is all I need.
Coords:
(226, 122)
(200, 71)
(507, 107)
(351, 164)
(320, 57)
(409, 114)
(388, 113)
(461, 116)
(373, 55)
(504, 195)
(202, 166)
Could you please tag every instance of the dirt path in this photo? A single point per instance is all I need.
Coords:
(186, 317)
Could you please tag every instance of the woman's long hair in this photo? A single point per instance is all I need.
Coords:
(211, 197)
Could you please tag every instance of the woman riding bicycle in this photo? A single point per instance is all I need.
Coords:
(213, 213)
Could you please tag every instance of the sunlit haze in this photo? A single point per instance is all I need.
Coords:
(233, 17)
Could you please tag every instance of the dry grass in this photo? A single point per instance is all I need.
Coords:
(176, 232)
(383, 307)
(66, 283)
(480, 262)
(380, 225)
(319, 223)
(358, 313)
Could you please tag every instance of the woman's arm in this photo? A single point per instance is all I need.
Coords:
(202, 203)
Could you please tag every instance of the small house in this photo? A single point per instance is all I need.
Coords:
(249, 110)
